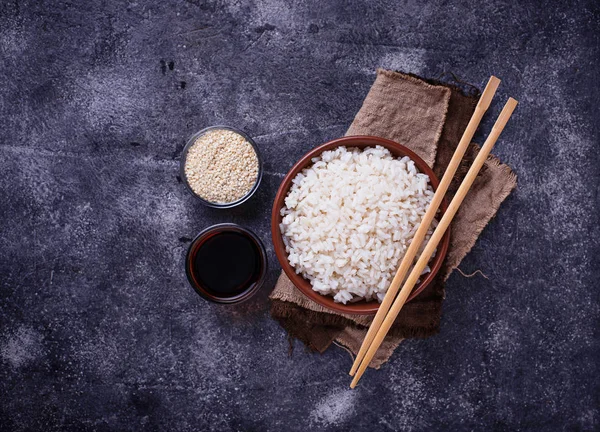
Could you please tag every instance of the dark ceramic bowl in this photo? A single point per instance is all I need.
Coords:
(253, 285)
(360, 307)
(191, 142)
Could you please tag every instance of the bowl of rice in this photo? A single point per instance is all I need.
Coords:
(344, 216)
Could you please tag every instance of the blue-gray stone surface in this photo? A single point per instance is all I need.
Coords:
(99, 329)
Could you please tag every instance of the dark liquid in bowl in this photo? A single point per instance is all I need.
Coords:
(226, 264)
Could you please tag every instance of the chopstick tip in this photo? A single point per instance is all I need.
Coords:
(488, 93)
(509, 107)
(505, 114)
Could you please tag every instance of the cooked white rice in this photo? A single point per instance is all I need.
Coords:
(348, 220)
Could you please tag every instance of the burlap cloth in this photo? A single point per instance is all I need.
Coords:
(428, 117)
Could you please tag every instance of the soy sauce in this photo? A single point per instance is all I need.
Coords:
(226, 262)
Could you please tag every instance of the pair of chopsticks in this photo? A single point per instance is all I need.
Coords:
(391, 305)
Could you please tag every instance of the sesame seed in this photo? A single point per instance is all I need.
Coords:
(221, 166)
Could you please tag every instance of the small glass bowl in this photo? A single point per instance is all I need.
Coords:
(191, 142)
(197, 244)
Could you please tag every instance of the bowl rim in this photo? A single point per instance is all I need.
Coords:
(361, 307)
(190, 142)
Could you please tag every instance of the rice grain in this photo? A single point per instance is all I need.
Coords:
(348, 220)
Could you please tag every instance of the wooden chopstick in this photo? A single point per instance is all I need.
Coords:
(413, 248)
(437, 235)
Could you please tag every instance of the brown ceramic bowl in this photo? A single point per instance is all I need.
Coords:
(361, 307)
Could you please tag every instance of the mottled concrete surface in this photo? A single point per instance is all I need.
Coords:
(99, 329)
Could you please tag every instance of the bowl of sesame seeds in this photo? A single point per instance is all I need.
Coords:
(221, 166)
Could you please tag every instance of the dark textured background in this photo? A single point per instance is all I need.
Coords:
(99, 329)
